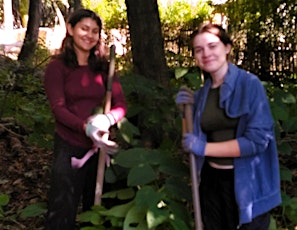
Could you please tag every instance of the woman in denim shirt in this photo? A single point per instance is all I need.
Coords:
(233, 140)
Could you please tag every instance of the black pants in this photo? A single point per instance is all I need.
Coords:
(68, 185)
(218, 206)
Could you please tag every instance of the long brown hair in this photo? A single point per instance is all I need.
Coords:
(97, 59)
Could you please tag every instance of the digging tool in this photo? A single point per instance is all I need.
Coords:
(102, 156)
(76, 162)
(187, 123)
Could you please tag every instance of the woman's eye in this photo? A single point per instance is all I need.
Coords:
(212, 46)
(84, 28)
(197, 51)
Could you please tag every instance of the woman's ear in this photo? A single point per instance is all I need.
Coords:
(69, 29)
(228, 48)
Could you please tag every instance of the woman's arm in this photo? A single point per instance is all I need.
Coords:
(223, 149)
(119, 106)
(54, 88)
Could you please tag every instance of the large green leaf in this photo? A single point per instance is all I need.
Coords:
(135, 219)
(90, 216)
(128, 130)
(180, 72)
(131, 157)
(33, 210)
(119, 210)
(141, 175)
(138, 156)
(280, 112)
(194, 80)
(179, 211)
(174, 168)
(122, 194)
(147, 197)
(156, 216)
(4, 199)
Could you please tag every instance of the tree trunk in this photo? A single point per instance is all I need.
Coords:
(31, 38)
(147, 40)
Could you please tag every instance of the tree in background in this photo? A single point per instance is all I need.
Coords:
(31, 38)
(147, 41)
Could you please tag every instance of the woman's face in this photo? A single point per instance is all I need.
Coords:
(210, 52)
(85, 34)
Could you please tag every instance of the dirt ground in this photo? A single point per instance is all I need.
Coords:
(24, 176)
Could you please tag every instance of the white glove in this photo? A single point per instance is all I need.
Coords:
(102, 121)
(97, 129)
(96, 126)
(108, 146)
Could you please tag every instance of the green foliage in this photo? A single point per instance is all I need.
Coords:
(8, 217)
(23, 98)
(264, 36)
(183, 13)
(4, 199)
(283, 107)
(158, 126)
(177, 18)
(113, 12)
(33, 210)
(155, 196)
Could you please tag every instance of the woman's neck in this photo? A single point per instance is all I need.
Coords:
(219, 76)
(82, 57)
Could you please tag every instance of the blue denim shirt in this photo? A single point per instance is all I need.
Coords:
(257, 181)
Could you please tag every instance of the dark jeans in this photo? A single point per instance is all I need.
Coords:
(68, 185)
(218, 206)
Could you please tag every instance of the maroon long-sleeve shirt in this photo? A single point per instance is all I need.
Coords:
(74, 94)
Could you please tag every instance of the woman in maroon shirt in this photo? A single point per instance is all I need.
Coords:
(75, 87)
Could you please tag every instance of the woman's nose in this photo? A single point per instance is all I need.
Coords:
(90, 34)
(205, 52)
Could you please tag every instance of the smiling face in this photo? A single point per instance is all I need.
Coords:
(85, 33)
(211, 53)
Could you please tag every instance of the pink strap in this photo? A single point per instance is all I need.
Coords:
(78, 163)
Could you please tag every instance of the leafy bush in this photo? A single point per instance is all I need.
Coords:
(23, 99)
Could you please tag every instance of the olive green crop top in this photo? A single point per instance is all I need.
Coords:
(217, 125)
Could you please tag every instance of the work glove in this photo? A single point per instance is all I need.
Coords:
(101, 121)
(191, 143)
(97, 128)
(184, 96)
(108, 146)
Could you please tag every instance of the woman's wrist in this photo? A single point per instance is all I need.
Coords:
(110, 119)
